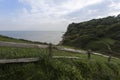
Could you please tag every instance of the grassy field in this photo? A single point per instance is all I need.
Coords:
(98, 68)
(12, 52)
(61, 69)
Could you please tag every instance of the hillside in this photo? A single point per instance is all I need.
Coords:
(97, 68)
(10, 39)
(97, 34)
(61, 69)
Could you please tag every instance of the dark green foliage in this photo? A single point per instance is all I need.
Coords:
(95, 34)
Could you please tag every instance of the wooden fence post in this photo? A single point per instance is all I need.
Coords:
(50, 50)
(110, 56)
(89, 54)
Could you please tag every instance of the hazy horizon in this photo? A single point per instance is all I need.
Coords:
(53, 37)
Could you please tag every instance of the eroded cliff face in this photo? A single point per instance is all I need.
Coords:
(95, 34)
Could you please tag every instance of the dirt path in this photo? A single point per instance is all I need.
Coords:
(29, 60)
(67, 57)
(14, 44)
(20, 60)
(81, 51)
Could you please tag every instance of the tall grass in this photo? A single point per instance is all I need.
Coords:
(57, 69)
(61, 69)
(12, 52)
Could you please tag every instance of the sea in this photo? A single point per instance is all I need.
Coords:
(53, 37)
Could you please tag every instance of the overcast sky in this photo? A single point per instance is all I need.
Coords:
(52, 14)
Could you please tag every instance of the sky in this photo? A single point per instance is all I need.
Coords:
(52, 15)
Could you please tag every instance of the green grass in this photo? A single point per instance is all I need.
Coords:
(83, 56)
(98, 68)
(12, 52)
(61, 69)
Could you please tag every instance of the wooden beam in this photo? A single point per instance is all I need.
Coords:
(20, 60)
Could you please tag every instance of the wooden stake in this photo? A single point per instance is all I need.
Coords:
(50, 50)
(89, 54)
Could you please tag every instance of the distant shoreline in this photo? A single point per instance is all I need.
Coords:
(43, 37)
(11, 39)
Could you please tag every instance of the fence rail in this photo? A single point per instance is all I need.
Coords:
(27, 60)
(20, 60)
(31, 60)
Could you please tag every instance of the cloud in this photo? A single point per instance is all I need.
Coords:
(114, 7)
(115, 4)
(50, 13)
(57, 14)
(98, 10)
(49, 7)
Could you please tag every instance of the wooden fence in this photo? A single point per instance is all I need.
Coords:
(27, 60)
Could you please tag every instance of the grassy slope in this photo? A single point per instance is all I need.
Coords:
(61, 69)
(57, 69)
(12, 52)
(9, 39)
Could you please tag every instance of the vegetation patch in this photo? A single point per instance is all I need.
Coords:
(96, 34)
(61, 69)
